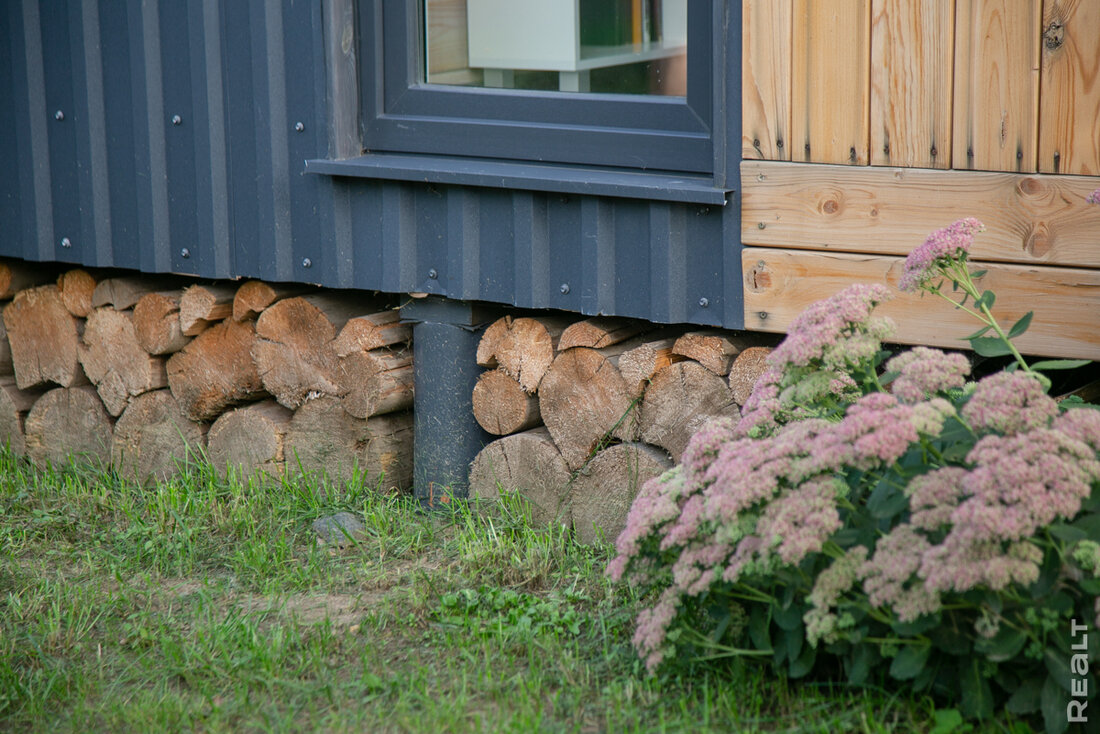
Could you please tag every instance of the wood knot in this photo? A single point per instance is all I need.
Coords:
(1030, 186)
(759, 279)
(830, 206)
(1054, 36)
(1038, 242)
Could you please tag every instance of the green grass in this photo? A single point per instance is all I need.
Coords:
(206, 604)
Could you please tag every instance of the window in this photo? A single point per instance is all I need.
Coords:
(506, 110)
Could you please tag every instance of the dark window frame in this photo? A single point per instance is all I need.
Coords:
(639, 146)
(404, 114)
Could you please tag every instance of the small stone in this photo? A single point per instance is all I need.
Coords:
(339, 530)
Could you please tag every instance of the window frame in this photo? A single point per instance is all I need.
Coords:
(403, 114)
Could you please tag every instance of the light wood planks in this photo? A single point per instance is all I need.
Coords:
(912, 47)
(830, 81)
(996, 85)
(1029, 218)
(779, 284)
(766, 79)
(1069, 116)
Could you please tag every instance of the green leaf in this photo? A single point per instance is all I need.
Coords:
(1058, 666)
(1060, 364)
(789, 618)
(977, 696)
(987, 299)
(978, 274)
(804, 664)
(759, 624)
(1053, 702)
(886, 501)
(917, 627)
(1068, 533)
(979, 332)
(793, 640)
(990, 346)
(1005, 645)
(863, 658)
(947, 721)
(1021, 326)
(1048, 576)
(1026, 698)
(910, 661)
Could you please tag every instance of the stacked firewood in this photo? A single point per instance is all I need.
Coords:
(148, 372)
(590, 410)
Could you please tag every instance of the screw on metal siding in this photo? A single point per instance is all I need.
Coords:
(59, 115)
(307, 263)
(176, 119)
(185, 253)
(433, 273)
(299, 126)
(704, 302)
(564, 288)
(66, 242)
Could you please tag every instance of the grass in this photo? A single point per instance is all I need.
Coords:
(206, 604)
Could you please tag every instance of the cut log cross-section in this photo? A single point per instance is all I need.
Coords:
(746, 370)
(154, 440)
(254, 296)
(523, 347)
(583, 399)
(6, 366)
(640, 363)
(16, 275)
(115, 362)
(294, 350)
(14, 406)
(372, 331)
(202, 305)
(76, 288)
(68, 424)
(529, 464)
(713, 349)
(44, 339)
(681, 398)
(376, 382)
(124, 292)
(215, 370)
(501, 406)
(250, 439)
(323, 438)
(157, 323)
(600, 331)
(601, 494)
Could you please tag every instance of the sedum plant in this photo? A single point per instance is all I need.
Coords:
(873, 515)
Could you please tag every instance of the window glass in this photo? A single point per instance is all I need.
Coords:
(609, 46)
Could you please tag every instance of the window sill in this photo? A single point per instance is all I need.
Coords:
(556, 178)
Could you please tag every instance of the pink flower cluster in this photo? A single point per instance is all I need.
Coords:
(925, 262)
(923, 372)
(836, 332)
(1094, 197)
(1009, 402)
(888, 575)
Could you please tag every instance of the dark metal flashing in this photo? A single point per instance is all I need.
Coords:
(526, 176)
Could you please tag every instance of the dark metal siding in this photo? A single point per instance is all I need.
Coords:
(222, 192)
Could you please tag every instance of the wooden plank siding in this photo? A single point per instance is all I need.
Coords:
(1069, 109)
(912, 50)
(779, 284)
(766, 80)
(1030, 219)
(830, 81)
(996, 85)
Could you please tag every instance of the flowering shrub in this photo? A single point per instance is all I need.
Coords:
(886, 515)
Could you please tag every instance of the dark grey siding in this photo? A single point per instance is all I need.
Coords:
(178, 150)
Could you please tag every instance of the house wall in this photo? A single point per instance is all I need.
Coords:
(222, 194)
(925, 112)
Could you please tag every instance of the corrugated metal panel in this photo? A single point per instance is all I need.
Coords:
(181, 147)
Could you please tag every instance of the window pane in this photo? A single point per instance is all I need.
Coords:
(611, 46)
